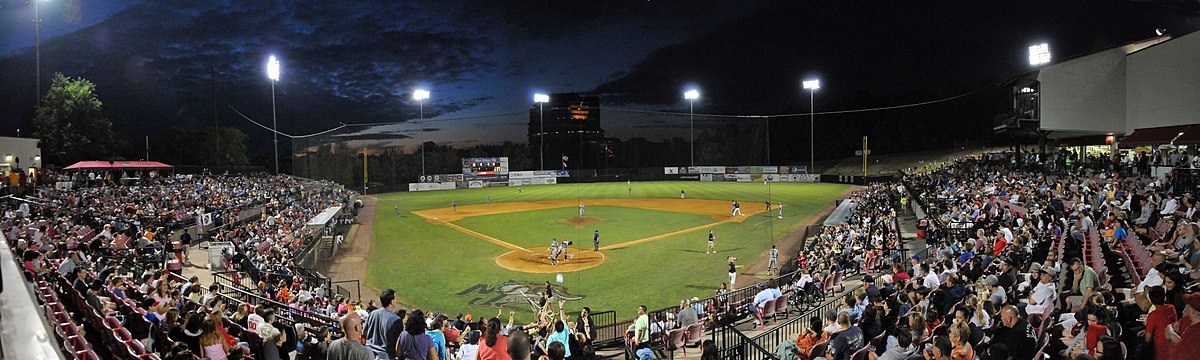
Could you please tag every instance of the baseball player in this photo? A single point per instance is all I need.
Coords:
(562, 250)
(682, 195)
(489, 199)
(580, 210)
(554, 251)
(768, 203)
(596, 240)
(774, 260)
(780, 208)
(629, 187)
(732, 271)
(453, 206)
(711, 237)
(397, 208)
(737, 209)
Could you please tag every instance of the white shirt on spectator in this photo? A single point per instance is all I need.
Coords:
(931, 281)
(1152, 279)
(1043, 296)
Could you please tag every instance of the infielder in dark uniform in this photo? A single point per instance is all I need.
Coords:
(596, 240)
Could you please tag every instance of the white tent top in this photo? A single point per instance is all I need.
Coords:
(324, 217)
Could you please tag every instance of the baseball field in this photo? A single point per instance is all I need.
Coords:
(491, 248)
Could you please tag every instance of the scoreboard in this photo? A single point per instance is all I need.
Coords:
(485, 168)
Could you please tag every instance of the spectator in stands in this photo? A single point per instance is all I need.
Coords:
(383, 326)
(1157, 321)
(192, 330)
(903, 348)
(708, 350)
(687, 315)
(640, 329)
(516, 345)
(1042, 296)
(271, 335)
(847, 341)
(585, 333)
(1015, 332)
(469, 348)
(350, 346)
(495, 344)
(556, 351)
(413, 343)
(212, 344)
(940, 349)
(436, 333)
(1084, 282)
(960, 335)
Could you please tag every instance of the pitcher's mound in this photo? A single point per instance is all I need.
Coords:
(580, 221)
(537, 260)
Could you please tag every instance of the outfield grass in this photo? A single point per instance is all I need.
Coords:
(430, 265)
(618, 224)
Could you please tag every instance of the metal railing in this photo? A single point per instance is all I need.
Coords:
(733, 344)
(344, 291)
(783, 332)
(608, 330)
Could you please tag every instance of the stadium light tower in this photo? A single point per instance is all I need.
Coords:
(541, 99)
(420, 96)
(37, 47)
(273, 74)
(691, 96)
(1039, 54)
(812, 86)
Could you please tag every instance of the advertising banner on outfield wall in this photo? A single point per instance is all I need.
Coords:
(448, 185)
(670, 170)
(799, 170)
(532, 174)
(533, 181)
(770, 169)
(706, 177)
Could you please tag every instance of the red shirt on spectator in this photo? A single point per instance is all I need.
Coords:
(999, 247)
(1189, 343)
(1156, 323)
(498, 352)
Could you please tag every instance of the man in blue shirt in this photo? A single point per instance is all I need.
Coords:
(560, 334)
(383, 327)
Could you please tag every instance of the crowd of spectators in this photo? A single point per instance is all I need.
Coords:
(1082, 264)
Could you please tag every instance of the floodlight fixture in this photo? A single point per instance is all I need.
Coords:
(541, 98)
(420, 94)
(691, 94)
(812, 84)
(1039, 54)
(273, 68)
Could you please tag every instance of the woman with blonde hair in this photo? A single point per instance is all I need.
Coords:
(212, 343)
(960, 335)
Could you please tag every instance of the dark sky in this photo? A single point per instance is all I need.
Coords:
(357, 62)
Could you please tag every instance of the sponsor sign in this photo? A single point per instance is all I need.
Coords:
(693, 177)
(706, 177)
(671, 171)
(446, 185)
(770, 169)
(532, 174)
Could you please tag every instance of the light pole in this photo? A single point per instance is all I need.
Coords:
(420, 96)
(37, 47)
(812, 86)
(273, 74)
(691, 96)
(541, 99)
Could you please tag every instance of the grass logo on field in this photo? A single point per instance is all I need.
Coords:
(514, 293)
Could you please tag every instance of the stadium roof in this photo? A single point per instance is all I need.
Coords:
(123, 165)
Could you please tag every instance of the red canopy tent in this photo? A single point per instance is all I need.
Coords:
(117, 165)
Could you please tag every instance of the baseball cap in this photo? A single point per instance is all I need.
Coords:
(916, 257)
(1192, 300)
(1049, 271)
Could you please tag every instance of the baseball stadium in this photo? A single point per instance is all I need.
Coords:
(432, 200)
